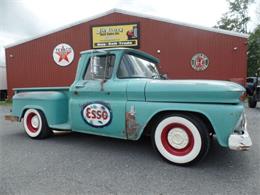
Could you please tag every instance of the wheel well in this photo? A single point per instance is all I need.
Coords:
(157, 116)
(23, 112)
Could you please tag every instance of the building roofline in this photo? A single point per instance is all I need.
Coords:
(161, 19)
(61, 28)
(116, 10)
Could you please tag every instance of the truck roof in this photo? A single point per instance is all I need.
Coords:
(125, 50)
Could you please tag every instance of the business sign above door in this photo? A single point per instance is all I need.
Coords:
(125, 35)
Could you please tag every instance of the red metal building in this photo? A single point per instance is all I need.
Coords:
(185, 51)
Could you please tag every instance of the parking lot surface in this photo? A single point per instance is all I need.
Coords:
(74, 163)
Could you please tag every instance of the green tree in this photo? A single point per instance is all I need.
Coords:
(253, 59)
(236, 18)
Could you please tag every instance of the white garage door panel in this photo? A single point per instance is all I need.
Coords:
(3, 84)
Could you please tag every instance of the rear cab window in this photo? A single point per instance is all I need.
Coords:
(100, 67)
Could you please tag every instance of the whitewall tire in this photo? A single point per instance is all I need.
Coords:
(181, 139)
(35, 124)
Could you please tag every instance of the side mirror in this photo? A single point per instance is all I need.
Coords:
(164, 76)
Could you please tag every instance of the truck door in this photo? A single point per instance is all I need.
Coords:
(98, 102)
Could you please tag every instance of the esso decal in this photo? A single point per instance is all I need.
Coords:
(97, 114)
(63, 54)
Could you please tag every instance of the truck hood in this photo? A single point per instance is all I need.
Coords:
(193, 91)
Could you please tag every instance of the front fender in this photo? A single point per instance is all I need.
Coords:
(223, 117)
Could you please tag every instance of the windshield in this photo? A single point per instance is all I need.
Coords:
(135, 67)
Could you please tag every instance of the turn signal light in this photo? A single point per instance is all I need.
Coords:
(243, 96)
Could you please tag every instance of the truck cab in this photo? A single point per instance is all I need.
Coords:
(120, 93)
(110, 79)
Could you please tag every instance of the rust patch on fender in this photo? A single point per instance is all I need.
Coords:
(132, 126)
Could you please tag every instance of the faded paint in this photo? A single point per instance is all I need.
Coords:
(63, 110)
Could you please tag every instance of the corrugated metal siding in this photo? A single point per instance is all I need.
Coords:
(32, 64)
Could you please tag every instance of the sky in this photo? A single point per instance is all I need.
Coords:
(22, 19)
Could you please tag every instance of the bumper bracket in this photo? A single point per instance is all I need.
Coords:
(239, 141)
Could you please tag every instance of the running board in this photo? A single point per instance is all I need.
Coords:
(63, 126)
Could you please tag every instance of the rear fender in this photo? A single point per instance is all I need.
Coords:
(53, 104)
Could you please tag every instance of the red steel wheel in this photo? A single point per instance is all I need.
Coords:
(177, 139)
(35, 124)
(181, 139)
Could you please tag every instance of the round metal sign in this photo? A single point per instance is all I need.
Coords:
(199, 62)
(63, 54)
(97, 114)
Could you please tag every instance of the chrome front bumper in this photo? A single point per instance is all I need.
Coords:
(240, 139)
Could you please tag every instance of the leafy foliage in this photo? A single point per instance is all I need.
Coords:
(236, 18)
(253, 59)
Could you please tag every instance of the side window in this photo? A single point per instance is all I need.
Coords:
(100, 67)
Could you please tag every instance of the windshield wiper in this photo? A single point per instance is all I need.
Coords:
(135, 77)
(156, 76)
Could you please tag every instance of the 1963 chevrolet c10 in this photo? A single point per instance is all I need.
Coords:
(120, 93)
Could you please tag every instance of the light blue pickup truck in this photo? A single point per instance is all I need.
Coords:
(120, 93)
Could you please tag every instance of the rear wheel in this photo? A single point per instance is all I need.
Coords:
(181, 139)
(252, 101)
(35, 124)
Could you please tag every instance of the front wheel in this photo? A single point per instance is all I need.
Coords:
(35, 124)
(181, 139)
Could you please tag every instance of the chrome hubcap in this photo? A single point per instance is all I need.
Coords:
(35, 122)
(178, 138)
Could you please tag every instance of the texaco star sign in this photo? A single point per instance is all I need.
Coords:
(63, 54)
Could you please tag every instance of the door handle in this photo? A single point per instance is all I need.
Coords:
(79, 86)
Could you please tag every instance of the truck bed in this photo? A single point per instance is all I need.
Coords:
(19, 90)
(52, 101)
